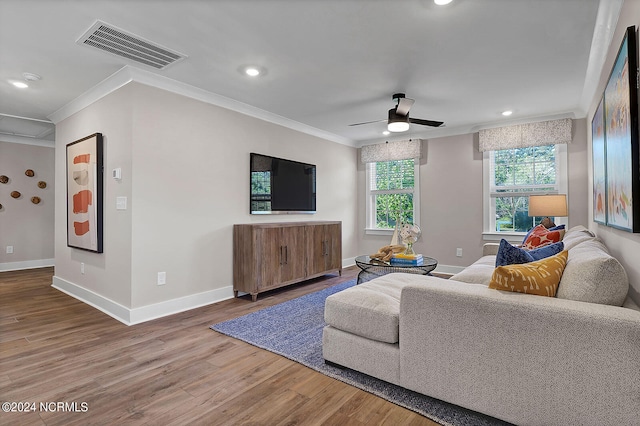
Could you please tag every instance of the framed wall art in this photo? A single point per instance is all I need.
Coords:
(599, 166)
(621, 139)
(84, 193)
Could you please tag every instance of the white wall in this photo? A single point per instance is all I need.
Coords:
(191, 183)
(185, 167)
(26, 226)
(623, 245)
(106, 275)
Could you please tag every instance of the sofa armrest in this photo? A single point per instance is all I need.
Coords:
(525, 359)
(490, 249)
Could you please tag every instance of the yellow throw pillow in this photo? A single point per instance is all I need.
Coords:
(540, 277)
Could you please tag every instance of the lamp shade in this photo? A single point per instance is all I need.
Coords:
(548, 205)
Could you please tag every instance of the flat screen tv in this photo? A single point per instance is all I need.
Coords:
(280, 186)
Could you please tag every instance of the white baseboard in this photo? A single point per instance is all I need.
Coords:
(27, 264)
(134, 316)
(350, 261)
(174, 306)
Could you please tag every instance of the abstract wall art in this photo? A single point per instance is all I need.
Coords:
(621, 138)
(85, 179)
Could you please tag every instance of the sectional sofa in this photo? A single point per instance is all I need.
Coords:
(526, 359)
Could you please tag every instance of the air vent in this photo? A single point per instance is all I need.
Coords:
(116, 41)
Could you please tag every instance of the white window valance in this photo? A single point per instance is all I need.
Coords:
(391, 151)
(550, 132)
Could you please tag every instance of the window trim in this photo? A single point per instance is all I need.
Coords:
(489, 233)
(370, 196)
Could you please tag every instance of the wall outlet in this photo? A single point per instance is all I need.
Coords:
(9, 249)
(121, 203)
(82, 268)
(459, 252)
(162, 278)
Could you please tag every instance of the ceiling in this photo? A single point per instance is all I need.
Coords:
(329, 63)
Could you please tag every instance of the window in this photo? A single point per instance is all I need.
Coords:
(261, 191)
(392, 193)
(511, 175)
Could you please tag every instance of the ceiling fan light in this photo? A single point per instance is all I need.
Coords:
(398, 126)
(397, 123)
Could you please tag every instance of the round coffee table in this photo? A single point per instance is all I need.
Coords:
(372, 268)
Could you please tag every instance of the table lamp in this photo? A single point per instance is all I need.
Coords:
(548, 205)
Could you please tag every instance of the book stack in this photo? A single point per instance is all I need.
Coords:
(406, 259)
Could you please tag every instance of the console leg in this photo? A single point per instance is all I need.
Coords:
(254, 297)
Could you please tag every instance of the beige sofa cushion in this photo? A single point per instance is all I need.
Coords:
(575, 236)
(370, 310)
(592, 275)
(479, 272)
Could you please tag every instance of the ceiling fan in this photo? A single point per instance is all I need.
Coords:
(399, 119)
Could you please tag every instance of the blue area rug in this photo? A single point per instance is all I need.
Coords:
(293, 329)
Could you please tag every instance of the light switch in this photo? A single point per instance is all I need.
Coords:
(121, 203)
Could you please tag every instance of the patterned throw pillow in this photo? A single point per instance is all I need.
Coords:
(555, 228)
(540, 277)
(541, 236)
(510, 255)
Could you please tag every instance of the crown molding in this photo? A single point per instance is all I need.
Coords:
(27, 141)
(606, 22)
(128, 74)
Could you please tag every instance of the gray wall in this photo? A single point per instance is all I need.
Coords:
(26, 226)
(623, 245)
(185, 173)
(451, 198)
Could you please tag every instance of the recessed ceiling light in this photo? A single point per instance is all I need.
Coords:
(252, 70)
(507, 113)
(19, 84)
(442, 2)
(386, 133)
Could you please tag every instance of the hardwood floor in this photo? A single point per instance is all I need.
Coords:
(171, 371)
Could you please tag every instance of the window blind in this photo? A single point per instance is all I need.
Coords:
(550, 132)
(391, 151)
(523, 171)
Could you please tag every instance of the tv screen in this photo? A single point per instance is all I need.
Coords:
(280, 186)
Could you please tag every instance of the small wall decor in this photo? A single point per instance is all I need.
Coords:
(84, 193)
(35, 200)
(29, 173)
(4, 179)
(42, 184)
(15, 194)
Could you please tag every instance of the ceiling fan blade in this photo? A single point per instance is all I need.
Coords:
(367, 122)
(404, 105)
(426, 122)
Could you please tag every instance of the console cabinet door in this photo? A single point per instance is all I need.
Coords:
(269, 252)
(324, 248)
(334, 247)
(292, 254)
